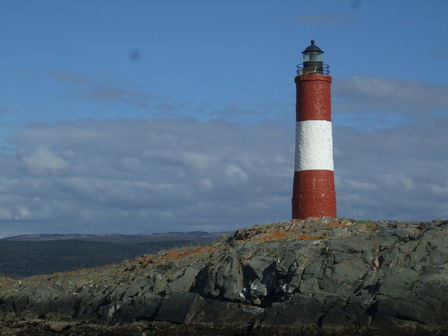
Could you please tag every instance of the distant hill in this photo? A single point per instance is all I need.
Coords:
(28, 255)
(121, 238)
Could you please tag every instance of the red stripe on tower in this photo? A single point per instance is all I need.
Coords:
(313, 189)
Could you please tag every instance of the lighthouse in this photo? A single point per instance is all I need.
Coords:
(313, 188)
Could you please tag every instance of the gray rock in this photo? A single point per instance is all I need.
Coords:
(311, 277)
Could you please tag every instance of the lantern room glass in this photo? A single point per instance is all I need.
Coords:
(313, 57)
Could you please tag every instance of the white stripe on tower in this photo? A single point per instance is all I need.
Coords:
(314, 145)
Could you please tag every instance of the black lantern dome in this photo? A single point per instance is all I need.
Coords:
(312, 48)
(313, 61)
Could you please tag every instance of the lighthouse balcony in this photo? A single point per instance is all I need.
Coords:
(323, 69)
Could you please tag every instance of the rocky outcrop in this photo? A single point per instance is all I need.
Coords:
(5, 281)
(311, 277)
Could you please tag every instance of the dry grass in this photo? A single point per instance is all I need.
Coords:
(182, 254)
(338, 224)
(4, 282)
(283, 235)
(155, 259)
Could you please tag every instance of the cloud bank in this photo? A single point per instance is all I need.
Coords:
(164, 175)
(141, 175)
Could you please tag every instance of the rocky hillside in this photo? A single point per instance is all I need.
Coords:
(313, 277)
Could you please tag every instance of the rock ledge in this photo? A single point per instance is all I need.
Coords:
(313, 277)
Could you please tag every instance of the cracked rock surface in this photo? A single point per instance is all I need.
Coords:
(313, 277)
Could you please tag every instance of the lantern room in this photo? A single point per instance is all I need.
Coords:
(313, 61)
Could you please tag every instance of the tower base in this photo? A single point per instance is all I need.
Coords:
(313, 194)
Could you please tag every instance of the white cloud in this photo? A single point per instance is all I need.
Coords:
(357, 185)
(398, 181)
(43, 160)
(368, 94)
(142, 175)
(440, 189)
(196, 160)
(235, 173)
(206, 182)
(180, 175)
(5, 214)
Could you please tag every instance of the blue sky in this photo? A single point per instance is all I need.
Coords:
(106, 70)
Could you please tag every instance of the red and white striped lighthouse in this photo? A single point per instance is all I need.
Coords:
(313, 190)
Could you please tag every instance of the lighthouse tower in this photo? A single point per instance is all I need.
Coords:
(313, 189)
